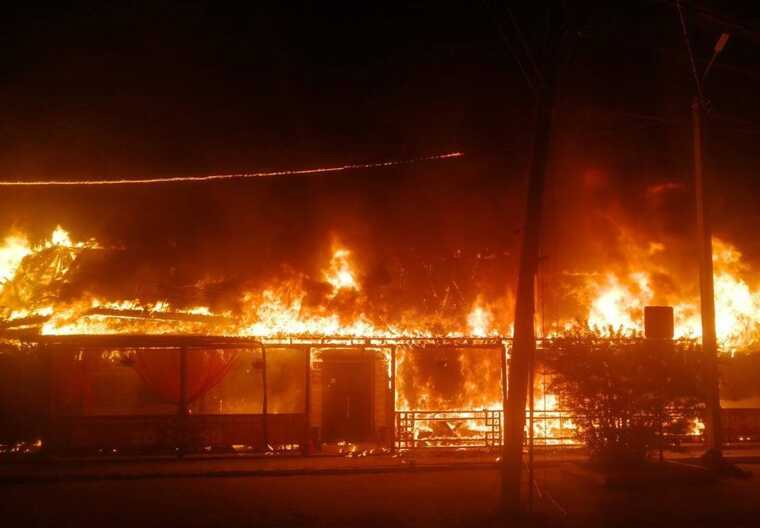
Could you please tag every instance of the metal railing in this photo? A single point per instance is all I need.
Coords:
(448, 429)
(482, 429)
(476, 429)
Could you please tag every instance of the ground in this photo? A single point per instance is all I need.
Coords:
(730, 502)
(352, 493)
(424, 499)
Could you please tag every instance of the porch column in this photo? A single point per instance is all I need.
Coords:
(182, 408)
(307, 403)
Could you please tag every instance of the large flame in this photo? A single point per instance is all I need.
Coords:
(617, 303)
(15, 247)
(480, 320)
(340, 274)
(737, 304)
(31, 274)
(279, 310)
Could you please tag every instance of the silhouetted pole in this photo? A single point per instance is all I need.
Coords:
(264, 400)
(524, 343)
(714, 444)
(306, 448)
(713, 439)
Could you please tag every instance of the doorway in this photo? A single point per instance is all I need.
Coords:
(347, 399)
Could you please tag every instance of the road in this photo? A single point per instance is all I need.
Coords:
(454, 497)
(450, 498)
(724, 503)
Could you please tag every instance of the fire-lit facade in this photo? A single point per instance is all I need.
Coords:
(282, 373)
(133, 392)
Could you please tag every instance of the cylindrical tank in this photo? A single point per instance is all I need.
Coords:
(658, 322)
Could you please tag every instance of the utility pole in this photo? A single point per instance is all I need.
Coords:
(524, 342)
(524, 338)
(706, 295)
(713, 437)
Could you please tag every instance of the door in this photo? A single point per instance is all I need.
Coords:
(347, 400)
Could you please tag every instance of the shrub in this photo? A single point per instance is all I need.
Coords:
(625, 392)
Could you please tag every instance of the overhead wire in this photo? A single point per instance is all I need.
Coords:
(526, 47)
(686, 39)
(516, 56)
(218, 177)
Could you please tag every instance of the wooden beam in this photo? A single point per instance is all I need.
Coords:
(159, 316)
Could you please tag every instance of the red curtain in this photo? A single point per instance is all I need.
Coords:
(160, 370)
(70, 380)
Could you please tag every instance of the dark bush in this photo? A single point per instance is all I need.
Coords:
(625, 392)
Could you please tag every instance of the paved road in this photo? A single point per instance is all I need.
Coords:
(451, 498)
(724, 503)
(423, 498)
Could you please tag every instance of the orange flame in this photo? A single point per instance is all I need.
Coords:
(479, 320)
(15, 247)
(340, 274)
(618, 304)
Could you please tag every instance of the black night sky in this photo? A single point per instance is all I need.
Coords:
(103, 90)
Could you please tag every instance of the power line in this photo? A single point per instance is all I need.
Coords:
(697, 80)
(515, 55)
(241, 176)
(719, 21)
(521, 37)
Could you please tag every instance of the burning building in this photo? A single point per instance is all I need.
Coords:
(301, 363)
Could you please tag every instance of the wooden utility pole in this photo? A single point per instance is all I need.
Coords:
(713, 435)
(545, 70)
(524, 343)
(714, 443)
(264, 400)
(306, 447)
